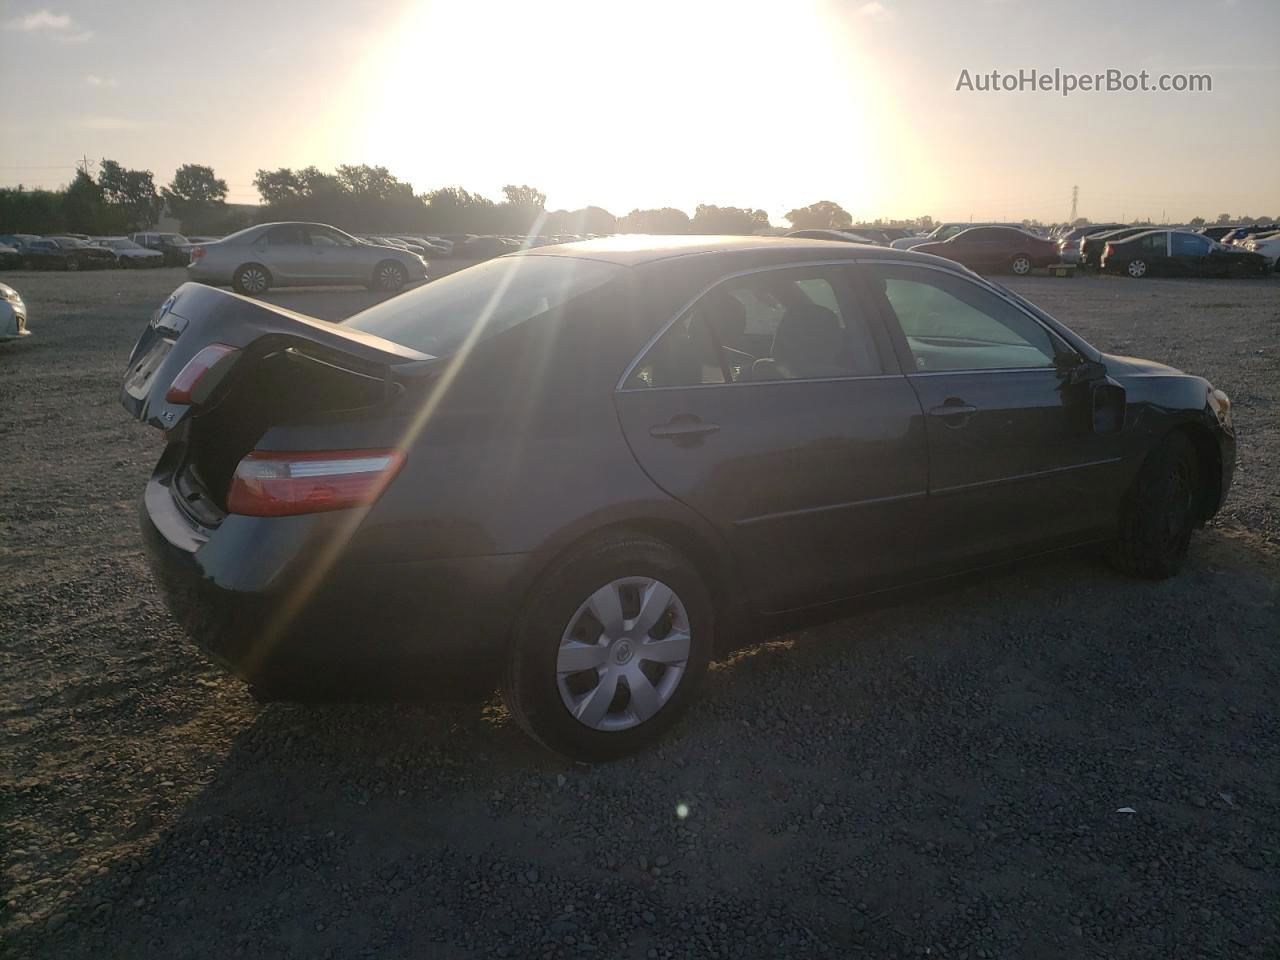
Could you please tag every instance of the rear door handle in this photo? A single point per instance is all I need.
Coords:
(683, 428)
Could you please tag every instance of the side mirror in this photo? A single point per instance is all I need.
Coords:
(1082, 370)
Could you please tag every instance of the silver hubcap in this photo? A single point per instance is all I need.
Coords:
(1137, 268)
(1021, 265)
(255, 281)
(623, 654)
(390, 276)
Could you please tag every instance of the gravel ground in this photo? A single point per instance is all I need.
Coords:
(945, 778)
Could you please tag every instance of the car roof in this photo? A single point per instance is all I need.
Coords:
(635, 249)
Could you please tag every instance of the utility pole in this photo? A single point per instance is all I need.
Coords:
(1075, 196)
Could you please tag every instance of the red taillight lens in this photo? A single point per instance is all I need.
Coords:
(184, 384)
(281, 484)
(196, 253)
(1108, 250)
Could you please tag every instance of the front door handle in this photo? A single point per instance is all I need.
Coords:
(684, 428)
(954, 413)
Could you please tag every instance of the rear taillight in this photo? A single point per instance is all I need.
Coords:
(1108, 250)
(196, 253)
(281, 484)
(185, 386)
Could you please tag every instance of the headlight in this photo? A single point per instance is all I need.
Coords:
(10, 294)
(1220, 404)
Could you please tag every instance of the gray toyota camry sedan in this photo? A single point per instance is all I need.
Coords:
(582, 471)
(302, 254)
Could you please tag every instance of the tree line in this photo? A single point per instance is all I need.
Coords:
(363, 199)
(358, 198)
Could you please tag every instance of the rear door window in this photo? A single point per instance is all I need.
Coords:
(796, 323)
(286, 235)
(482, 301)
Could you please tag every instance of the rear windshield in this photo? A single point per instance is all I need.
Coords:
(488, 298)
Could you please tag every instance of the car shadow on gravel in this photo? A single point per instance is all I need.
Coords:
(948, 775)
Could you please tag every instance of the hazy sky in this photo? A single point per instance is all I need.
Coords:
(664, 103)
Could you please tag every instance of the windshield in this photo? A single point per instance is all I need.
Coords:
(173, 238)
(121, 244)
(437, 318)
(69, 242)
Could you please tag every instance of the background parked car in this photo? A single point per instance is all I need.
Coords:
(175, 247)
(86, 255)
(1091, 246)
(485, 248)
(995, 250)
(43, 253)
(1240, 234)
(302, 254)
(1179, 253)
(18, 240)
(944, 231)
(839, 236)
(415, 248)
(1069, 242)
(131, 254)
(10, 257)
(13, 314)
(1266, 245)
(1218, 231)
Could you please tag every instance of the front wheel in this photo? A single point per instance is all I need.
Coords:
(390, 276)
(1159, 512)
(1021, 265)
(251, 279)
(609, 649)
(1137, 268)
(72, 264)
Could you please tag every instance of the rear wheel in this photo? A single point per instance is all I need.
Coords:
(389, 275)
(71, 264)
(251, 279)
(609, 649)
(1137, 268)
(1160, 512)
(1021, 265)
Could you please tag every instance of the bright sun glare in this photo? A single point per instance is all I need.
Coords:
(670, 103)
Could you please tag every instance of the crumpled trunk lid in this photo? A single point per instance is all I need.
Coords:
(196, 316)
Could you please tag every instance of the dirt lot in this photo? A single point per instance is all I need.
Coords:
(940, 779)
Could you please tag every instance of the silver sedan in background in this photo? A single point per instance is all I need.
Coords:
(302, 254)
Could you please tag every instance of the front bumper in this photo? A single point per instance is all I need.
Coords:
(254, 597)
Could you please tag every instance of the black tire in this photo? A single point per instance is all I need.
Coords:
(389, 276)
(251, 279)
(1160, 511)
(71, 264)
(529, 685)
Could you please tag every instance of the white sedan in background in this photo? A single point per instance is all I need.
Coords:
(13, 314)
(1268, 246)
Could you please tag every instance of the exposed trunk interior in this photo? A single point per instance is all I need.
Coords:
(286, 387)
